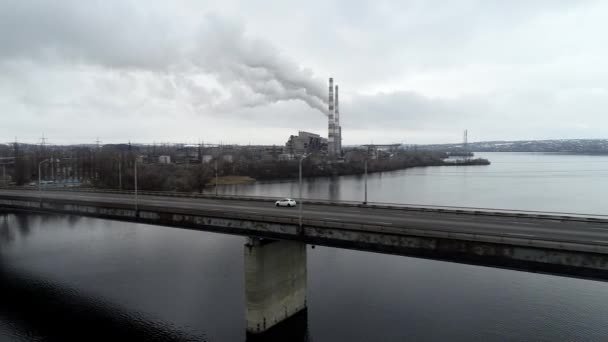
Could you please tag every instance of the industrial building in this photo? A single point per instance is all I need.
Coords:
(304, 143)
(164, 159)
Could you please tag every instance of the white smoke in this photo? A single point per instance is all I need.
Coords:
(256, 64)
(118, 35)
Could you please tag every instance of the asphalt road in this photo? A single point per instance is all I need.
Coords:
(522, 227)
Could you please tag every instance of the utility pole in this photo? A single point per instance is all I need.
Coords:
(216, 176)
(135, 175)
(40, 177)
(52, 169)
(3, 174)
(301, 204)
(119, 174)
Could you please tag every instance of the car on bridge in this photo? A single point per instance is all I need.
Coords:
(285, 202)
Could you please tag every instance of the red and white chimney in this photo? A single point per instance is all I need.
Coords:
(331, 125)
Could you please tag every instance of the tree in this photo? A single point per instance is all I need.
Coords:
(200, 175)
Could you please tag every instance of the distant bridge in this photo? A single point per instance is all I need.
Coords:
(555, 243)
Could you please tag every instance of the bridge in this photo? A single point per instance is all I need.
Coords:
(275, 252)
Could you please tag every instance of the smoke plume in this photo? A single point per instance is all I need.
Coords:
(116, 35)
(256, 64)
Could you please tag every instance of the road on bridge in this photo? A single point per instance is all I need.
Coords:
(529, 227)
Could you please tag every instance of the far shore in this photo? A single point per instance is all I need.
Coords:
(240, 180)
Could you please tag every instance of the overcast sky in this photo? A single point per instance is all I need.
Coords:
(255, 72)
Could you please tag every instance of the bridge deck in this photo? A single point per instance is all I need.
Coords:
(553, 228)
(549, 243)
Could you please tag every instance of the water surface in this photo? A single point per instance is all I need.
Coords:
(526, 181)
(64, 277)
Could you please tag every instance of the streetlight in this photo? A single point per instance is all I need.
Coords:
(135, 176)
(52, 162)
(300, 197)
(120, 173)
(216, 176)
(40, 176)
(365, 168)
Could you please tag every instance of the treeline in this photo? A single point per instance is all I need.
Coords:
(315, 166)
(113, 166)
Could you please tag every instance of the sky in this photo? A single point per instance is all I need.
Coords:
(246, 72)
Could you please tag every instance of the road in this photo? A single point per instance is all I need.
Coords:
(595, 233)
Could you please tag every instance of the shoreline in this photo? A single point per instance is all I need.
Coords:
(243, 180)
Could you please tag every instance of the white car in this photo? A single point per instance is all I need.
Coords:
(285, 202)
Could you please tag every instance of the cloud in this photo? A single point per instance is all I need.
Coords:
(416, 71)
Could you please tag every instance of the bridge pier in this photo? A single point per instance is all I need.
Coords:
(275, 282)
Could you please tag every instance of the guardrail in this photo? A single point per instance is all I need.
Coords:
(548, 215)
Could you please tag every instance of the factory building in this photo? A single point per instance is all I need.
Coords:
(305, 142)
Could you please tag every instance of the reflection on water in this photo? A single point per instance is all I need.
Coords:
(36, 309)
(294, 329)
(62, 277)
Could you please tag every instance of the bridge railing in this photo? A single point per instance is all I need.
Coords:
(551, 215)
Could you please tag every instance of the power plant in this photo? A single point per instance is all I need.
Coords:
(306, 142)
(334, 134)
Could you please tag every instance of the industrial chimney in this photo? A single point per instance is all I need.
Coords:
(337, 127)
(331, 127)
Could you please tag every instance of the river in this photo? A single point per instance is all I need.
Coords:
(63, 277)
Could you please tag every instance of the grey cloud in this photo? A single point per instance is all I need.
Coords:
(516, 69)
(408, 110)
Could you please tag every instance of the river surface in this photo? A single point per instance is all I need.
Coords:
(71, 277)
(526, 181)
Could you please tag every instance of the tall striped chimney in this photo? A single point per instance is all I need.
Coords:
(337, 127)
(331, 125)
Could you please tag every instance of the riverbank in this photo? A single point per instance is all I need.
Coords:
(234, 180)
(466, 162)
(322, 167)
(343, 170)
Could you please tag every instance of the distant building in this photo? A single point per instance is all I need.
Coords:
(164, 159)
(272, 152)
(305, 142)
(286, 156)
(356, 156)
(228, 158)
(187, 154)
(207, 158)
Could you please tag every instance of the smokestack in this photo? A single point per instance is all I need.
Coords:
(331, 127)
(337, 127)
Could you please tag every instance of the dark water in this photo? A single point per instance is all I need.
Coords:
(81, 278)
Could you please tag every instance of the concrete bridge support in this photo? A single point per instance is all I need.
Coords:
(275, 282)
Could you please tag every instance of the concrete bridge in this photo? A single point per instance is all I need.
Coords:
(275, 252)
